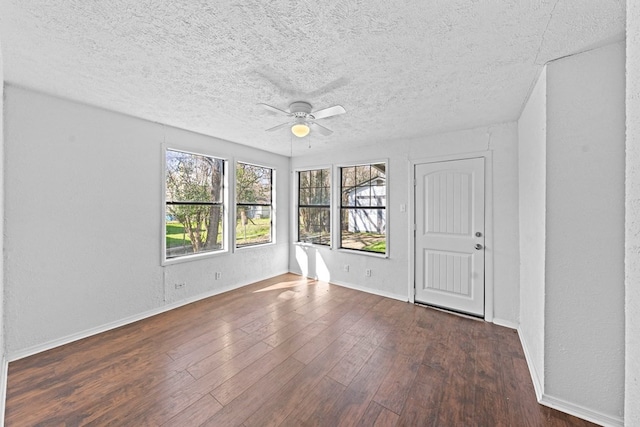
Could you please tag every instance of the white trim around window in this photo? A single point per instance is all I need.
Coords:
(272, 206)
(224, 204)
(309, 205)
(337, 231)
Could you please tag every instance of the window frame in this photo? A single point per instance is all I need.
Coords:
(340, 207)
(329, 207)
(224, 204)
(272, 206)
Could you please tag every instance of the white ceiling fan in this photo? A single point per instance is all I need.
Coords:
(303, 119)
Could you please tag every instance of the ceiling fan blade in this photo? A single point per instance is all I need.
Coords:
(328, 112)
(274, 109)
(280, 126)
(320, 129)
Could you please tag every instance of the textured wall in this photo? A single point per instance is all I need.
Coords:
(2, 333)
(584, 325)
(632, 234)
(532, 141)
(84, 218)
(391, 276)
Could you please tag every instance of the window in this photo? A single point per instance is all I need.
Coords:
(253, 204)
(194, 210)
(363, 194)
(314, 208)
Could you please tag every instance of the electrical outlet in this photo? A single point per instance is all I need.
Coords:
(367, 272)
(346, 268)
(218, 275)
(180, 285)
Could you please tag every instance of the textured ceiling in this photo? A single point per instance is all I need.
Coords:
(400, 68)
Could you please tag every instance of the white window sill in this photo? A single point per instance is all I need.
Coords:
(365, 253)
(194, 257)
(259, 245)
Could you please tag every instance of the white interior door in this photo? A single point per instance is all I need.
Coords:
(449, 252)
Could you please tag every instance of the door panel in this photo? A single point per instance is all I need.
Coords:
(449, 224)
(448, 272)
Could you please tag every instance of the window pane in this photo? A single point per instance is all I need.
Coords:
(378, 181)
(253, 184)
(378, 170)
(253, 225)
(304, 179)
(315, 196)
(325, 197)
(318, 191)
(326, 178)
(362, 195)
(193, 178)
(363, 175)
(378, 196)
(193, 229)
(347, 197)
(356, 185)
(316, 178)
(314, 225)
(363, 229)
(348, 177)
(304, 196)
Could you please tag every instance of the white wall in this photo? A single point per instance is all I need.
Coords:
(584, 305)
(532, 130)
(3, 367)
(632, 233)
(391, 276)
(84, 215)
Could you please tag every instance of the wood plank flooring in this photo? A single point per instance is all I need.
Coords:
(286, 351)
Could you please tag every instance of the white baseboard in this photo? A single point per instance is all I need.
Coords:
(370, 291)
(581, 412)
(537, 383)
(562, 405)
(506, 323)
(122, 322)
(385, 294)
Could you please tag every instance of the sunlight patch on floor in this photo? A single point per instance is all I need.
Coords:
(287, 285)
(287, 295)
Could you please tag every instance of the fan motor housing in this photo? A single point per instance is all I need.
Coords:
(300, 109)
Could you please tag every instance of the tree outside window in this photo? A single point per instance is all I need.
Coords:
(194, 204)
(254, 194)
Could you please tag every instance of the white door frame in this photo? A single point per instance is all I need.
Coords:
(488, 226)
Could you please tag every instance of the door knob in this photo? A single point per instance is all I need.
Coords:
(478, 246)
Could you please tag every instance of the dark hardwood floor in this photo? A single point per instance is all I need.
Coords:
(285, 351)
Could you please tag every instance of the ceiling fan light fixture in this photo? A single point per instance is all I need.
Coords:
(303, 118)
(300, 129)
